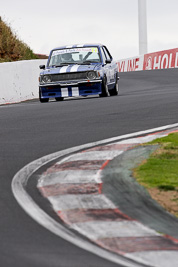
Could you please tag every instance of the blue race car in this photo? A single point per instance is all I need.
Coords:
(78, 70)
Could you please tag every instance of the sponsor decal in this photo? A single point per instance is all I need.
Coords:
(121, 66)
(131, 64)
(166, 59)
(149, 63)
(75, 50)
(161, 60)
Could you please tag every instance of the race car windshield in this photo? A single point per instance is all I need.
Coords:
(82, 55)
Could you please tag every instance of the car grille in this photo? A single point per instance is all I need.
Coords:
(69, 76)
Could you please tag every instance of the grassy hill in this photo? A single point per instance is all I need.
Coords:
(11, 48)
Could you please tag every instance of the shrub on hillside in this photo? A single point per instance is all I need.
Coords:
(11, 48)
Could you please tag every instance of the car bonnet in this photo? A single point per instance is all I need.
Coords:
(71, 68)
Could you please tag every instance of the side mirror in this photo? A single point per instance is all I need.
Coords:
(108, 61)
(42, 67)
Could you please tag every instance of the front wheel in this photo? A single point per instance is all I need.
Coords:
(105, 91)
(43, 100)
(59, 98)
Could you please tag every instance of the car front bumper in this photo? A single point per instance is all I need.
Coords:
(69, 89)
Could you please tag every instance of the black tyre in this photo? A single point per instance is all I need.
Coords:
(115, 91)
(59, 98)
(43, 100)
(105, 91)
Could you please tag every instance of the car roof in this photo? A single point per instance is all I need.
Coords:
(77, 46)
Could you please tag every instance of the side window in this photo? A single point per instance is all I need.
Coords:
(108, 56)
(103, 55)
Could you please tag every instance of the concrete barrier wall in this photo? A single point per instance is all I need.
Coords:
(19, 80)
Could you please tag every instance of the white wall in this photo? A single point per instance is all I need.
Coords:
(19, 80)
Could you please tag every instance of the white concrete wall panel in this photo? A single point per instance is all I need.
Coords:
(19, 80)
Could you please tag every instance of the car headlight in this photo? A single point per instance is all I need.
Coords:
(91, 75)
(46, 78)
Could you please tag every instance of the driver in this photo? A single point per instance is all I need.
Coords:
(67, 57)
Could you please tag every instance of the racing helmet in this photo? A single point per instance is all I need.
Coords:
(67, 57)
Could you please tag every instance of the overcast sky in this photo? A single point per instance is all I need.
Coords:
(44, 25)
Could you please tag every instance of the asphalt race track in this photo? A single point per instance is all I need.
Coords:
(32, 130)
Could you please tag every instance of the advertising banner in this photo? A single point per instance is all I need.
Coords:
(166, 59)
(131, 64)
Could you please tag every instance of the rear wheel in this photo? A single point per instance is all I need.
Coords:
(115, 91)
(105, 91)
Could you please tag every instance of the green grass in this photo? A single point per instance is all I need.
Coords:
(161, 169)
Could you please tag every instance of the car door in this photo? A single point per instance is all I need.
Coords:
(110, 68)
